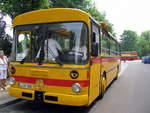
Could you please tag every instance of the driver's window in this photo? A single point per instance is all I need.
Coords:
(95, 35)
(23, 45)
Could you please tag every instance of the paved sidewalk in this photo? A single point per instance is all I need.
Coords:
(5, 98)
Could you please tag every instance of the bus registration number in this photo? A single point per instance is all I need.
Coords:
(25, 85)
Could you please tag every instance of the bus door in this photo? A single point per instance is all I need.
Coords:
(95, 64)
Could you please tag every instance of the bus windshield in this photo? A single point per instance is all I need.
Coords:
(50, 41)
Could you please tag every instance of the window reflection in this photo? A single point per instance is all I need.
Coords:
(37, 45)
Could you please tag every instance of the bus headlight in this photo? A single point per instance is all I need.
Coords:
(76, 87)
(11, 81)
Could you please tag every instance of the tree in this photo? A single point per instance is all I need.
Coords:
(2, 25)
(5, 39)
(128, 40)
(143, 43)
(85, 5)
(16, 7)
(146, 35)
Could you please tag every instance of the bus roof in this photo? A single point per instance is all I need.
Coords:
(51, 15)
(105, 28)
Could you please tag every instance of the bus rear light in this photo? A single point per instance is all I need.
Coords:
(76, 87)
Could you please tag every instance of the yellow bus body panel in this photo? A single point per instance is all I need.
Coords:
(52, 15)
(64, 99)
(51, 72)
(110, 67)
(94, 87)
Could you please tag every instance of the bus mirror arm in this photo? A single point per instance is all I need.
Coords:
(23, 60)
(94, 49)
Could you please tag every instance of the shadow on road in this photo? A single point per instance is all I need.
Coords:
(31, 107)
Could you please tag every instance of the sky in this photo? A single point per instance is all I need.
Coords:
(126, 14)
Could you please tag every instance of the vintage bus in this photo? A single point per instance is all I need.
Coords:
(74, 78)
(129, 55)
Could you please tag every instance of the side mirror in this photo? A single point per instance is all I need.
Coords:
(95, 49)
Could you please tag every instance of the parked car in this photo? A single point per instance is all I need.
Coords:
(146, 59)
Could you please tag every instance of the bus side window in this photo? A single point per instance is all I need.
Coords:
(95, 40)
(95, 46)
(113, 47)
(105, 42)
(117, 49)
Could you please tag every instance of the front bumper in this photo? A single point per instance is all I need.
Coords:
(55, 98)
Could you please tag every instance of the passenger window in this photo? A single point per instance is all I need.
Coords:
(105, 44)
(113, 47)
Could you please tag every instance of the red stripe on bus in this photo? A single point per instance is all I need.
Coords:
(109, 59)
(129, 58)
(96, 60)
(51, 82)
(99, 60)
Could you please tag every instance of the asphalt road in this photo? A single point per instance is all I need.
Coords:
(129, 94)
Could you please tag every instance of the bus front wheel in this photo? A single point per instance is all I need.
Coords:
(103, 86)
(117, 73)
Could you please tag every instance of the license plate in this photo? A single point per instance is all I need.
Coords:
(25, 85)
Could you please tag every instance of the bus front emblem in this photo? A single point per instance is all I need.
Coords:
(74, 74)
(39, 84)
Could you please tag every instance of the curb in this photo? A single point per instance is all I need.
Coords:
(10, 103)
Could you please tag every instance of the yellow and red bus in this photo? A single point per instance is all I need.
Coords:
(129, 55)
(70, 79)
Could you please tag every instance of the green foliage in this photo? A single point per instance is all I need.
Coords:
(16, 7)
(79, 4)
(6, 43)
(146, 35)
(5, 39)
(128, 40)
(143, 43)
(85, 5)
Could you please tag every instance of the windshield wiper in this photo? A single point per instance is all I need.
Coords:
(58, 61)
(23, 60)
(41, 56)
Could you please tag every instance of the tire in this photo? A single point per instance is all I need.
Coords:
(116, 76)
(103, 87)
(117, 73)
